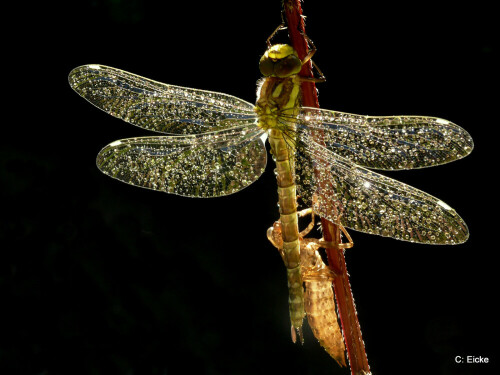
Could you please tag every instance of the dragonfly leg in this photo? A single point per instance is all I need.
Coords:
(313, 79)
(312, 51)
(280, 27)
(307, 211)
(308, 57)
(274, 236)
(332, 245)
(321, 77)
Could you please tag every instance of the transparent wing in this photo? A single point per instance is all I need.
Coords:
(157, 106)
(387, 143)
(339, 190)
(207, 165)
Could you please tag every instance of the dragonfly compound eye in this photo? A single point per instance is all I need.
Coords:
(266, 66)
(288, 66)
(280, 60)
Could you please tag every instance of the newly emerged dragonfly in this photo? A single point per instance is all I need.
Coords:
(215, 147)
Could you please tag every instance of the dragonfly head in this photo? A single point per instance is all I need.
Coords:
(281, 61)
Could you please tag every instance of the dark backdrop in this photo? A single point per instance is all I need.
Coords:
(99, 277)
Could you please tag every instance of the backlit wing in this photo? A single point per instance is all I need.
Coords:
(340, 191)
(387, 143)
(206, 165)
(157, 106)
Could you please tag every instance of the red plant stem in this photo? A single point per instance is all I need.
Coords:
(331, 232)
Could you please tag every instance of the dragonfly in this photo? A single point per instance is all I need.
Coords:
(214, 145)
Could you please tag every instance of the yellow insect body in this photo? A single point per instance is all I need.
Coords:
(279, 100)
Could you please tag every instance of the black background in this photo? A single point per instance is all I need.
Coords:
(99, 277)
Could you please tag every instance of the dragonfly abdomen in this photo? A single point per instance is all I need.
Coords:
(289, 222)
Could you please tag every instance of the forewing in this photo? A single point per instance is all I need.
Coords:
(207, 165)
(387, 143)
(157, 106)
(340, 191)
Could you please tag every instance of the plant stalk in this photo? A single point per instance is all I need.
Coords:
(336, 261)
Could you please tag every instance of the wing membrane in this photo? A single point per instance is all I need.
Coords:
(388, 143)
(207, 165)
(157, 106)
(339, 190)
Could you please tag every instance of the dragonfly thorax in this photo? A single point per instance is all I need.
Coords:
(277, 101)
(281, 61)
